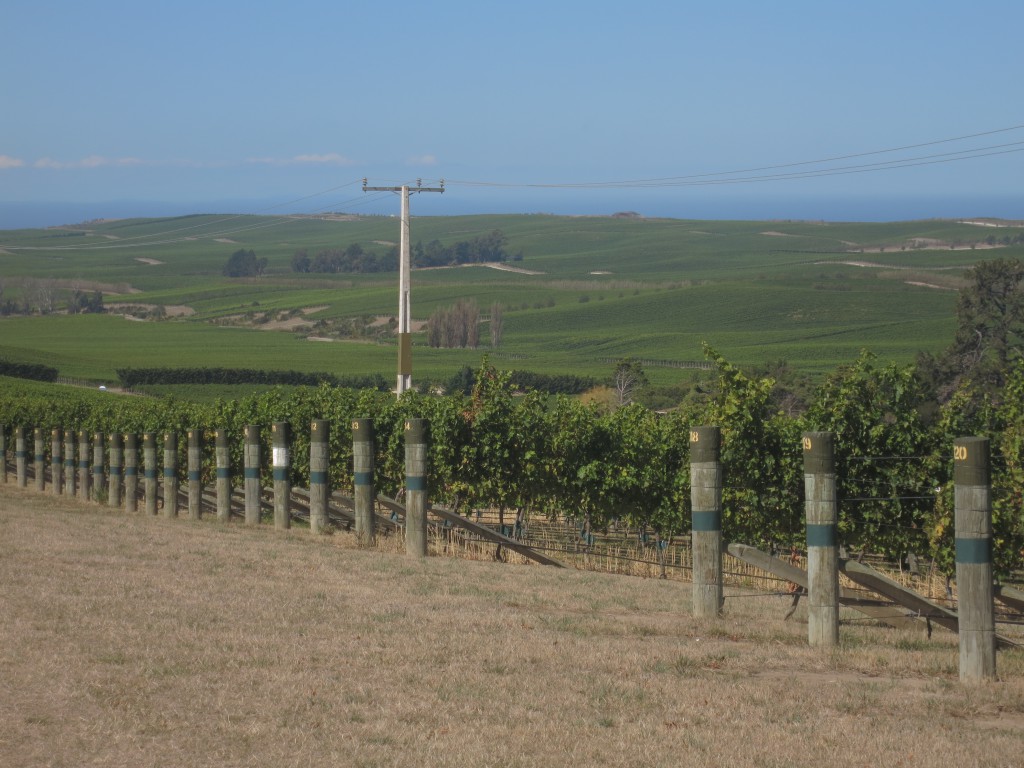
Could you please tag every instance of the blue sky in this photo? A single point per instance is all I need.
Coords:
(244, 106)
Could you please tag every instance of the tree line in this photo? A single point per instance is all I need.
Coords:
(357, 258)
(135, 377)
(43, 296)
(33, 371)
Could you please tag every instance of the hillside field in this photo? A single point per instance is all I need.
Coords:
(587, 291)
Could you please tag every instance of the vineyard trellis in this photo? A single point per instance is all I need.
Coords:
(279, 502)
(537, 462)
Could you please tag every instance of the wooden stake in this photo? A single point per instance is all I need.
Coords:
(319, 477)
(116, 473)
(131, 472)
(170, 474)
(39, 460)
(20, 465)
(706, 498)
(362, 464)
(416, 487)
(222, 455)
(195, 474)
(973, 510)
(56, 463)
(149, 458)
(251, 470)
(281, 465)
(822, 540)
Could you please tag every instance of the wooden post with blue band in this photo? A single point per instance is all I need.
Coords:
(195, 474)
(116, 452)
(83, 466)
(251, 474)
(363, 449)
(416, 487)
(131, 472)
(319, 479)
(56, 463)
(822, 539)
(170, 474)
(222, 459)
(20, 465)
(99, 485)
(706, 526)
(281, 467)
(39, 459)
(149, 459)
(70, 483)
(973, 526)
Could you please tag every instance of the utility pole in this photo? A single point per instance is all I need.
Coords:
(404, 268)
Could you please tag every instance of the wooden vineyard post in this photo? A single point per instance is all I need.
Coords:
(706, 498)
(822, 539)
(222, 456)
(170, 474)
(149, 458)
(20, 459)
(98, 486)
(319, 479)
(195, 475)
(39, 459)
(362, 466)
(416, 487)
(973, 511)
(281, 466)
(84, 490)
(69, 463)
(3, 455)
(56, 463)
(116, 448)
(251, 471)
(131, 472)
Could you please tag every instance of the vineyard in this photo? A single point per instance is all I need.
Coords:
(535, 463)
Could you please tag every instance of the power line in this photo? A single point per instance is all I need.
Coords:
(713, 177)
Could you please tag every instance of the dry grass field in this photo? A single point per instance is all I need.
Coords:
(135, 641)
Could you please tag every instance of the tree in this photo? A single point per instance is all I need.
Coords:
(82, 303)
(990, 327)
(457, 326)
(243, 263)
(497, 324)
(301, 261)
(629, 378)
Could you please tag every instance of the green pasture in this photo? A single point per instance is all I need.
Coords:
(593, 289)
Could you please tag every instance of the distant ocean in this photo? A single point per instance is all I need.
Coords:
(19, 215)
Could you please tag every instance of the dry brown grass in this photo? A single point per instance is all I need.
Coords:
(135, 641)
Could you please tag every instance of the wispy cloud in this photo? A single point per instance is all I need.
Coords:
(330, 158)
(428, 160)
(6, 161)
(90, 162)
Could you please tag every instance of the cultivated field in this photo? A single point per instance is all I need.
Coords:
(588, 290)
(135, 641)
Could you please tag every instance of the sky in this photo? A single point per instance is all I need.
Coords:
(113, 108)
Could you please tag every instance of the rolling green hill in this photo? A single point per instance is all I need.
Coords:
(588, 289)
